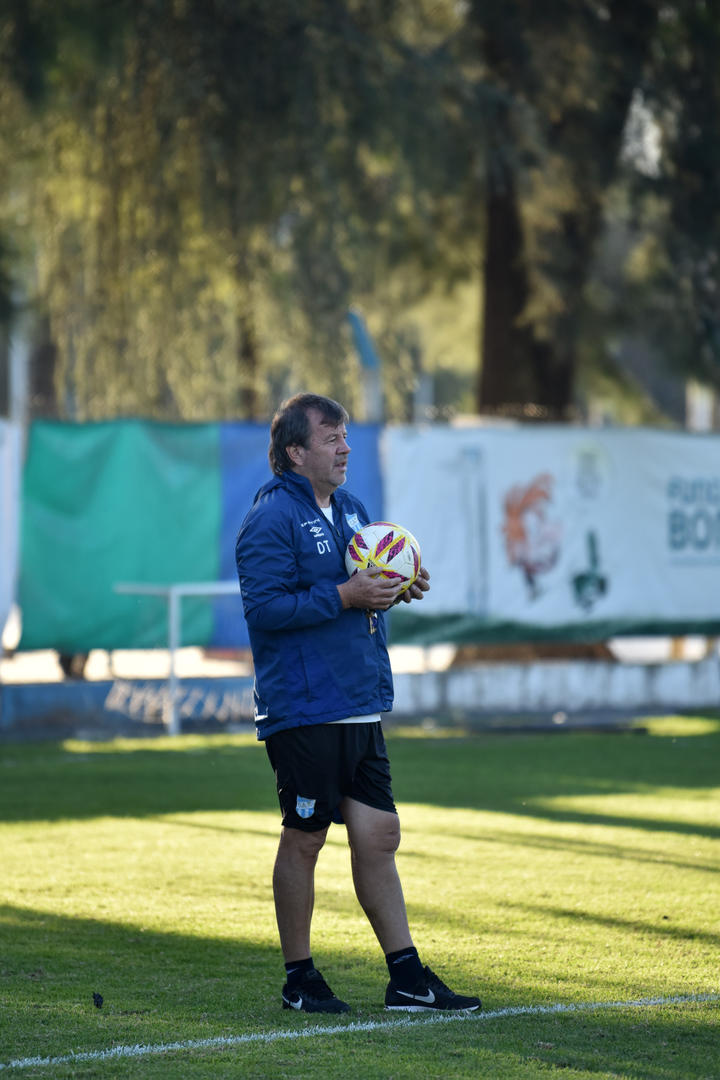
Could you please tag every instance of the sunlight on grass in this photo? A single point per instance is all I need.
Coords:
(536, 870)
(429, 730)
(161, 744)
(681, 726)
(648, 808)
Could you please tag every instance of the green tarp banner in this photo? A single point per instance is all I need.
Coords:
(106, 503)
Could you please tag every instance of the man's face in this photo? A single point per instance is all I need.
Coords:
(324, 460)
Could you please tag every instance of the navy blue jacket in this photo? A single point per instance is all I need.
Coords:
(314, 661)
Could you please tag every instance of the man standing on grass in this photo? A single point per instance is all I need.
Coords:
(322, 678)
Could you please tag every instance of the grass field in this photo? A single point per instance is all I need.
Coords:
(572, 880)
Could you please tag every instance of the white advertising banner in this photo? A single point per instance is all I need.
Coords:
(561, 527)
(9, 514)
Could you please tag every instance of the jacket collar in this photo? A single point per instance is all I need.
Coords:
(300, 487)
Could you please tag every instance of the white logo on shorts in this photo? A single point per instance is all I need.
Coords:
(305, 807)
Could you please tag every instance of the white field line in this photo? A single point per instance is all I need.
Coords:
(223, 1041)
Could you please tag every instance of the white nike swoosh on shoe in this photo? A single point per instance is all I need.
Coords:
(427, 999)
(294, 1004)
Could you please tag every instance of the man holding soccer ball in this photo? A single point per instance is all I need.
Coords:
(322, 679)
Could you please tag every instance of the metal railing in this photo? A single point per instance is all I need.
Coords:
(173, 595)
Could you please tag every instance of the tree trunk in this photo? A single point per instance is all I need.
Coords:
(529, 370)
(505, 378)
(520, 376)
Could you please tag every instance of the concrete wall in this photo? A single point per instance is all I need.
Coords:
(568, 686)
(492, 689)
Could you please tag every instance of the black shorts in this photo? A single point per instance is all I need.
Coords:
(318, 766)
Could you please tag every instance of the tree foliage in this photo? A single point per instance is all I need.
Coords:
(602, 225)
(213, 189)
(196, 192)
(674, 215)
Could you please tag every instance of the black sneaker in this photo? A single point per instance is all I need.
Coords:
(312, 994)
(431, 994)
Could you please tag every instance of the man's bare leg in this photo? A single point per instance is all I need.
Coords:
(374, 836)
(294, 889)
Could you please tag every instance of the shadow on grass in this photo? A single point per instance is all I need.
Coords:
(613, 922)
(573, 846)
(673, 1043)
(47, 782)
(521, 775)
(154, 985)
(163, 987)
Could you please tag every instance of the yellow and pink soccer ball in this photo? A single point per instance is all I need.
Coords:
(390, 548)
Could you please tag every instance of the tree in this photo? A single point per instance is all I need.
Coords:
(674, 211)
(210, 186)
(568, 72)
(215, 160)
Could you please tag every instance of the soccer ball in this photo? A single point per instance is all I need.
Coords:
(394, 550)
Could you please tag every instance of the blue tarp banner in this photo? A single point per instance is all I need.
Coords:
(143, 502)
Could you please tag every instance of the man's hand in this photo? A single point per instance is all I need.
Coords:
(420, 585)
(368, 589)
